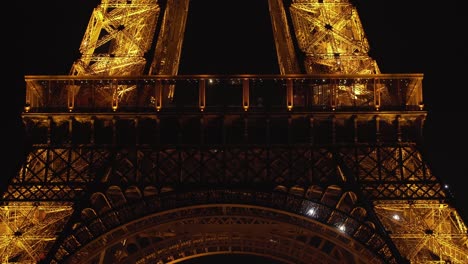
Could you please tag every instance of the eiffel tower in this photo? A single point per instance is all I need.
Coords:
(130, 162)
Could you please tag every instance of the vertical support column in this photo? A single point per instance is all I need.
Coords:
(268, 131)
(180, 128)
(223, 132)
(355, 129)
(50, 154)
(419, 93)
(398, 128)
(71, 96)
(421, 128)
(93, 130)
(244, 162)
(201, 160)
(333, 94)
(333, 124)
(202, 129)
(158, 130)
(268, 148)
(70, 130)
(202, 94)
(136, 122)
(377, 129)
(245, 94)
(114, 130)
(115, 95)
(289, 94)
(158, 94)
(376, 94)
(49, 129)
(246, 129)
(29, 96)
(311, 131)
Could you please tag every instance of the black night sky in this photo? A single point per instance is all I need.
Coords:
(234, 37)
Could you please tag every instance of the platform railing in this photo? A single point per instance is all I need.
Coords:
(325, 92)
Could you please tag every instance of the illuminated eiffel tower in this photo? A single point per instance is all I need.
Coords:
(132, 163)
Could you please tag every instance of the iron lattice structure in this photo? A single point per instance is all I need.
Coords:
(132, 163)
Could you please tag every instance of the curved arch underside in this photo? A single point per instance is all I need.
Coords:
(173, 227)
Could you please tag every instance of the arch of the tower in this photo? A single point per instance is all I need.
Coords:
(291, 226)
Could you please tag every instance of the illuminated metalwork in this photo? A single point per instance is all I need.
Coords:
(320, 164)
(28, 229)
(119, 34)
(330, 34)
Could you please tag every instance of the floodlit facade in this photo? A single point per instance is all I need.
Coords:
(131, 162)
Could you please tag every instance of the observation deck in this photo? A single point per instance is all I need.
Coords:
(230, 93)
(234, 109)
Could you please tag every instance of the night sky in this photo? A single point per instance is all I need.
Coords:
(419, 37)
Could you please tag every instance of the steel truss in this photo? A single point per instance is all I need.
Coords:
(324, 168)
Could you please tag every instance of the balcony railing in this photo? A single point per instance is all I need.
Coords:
(231, 93)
